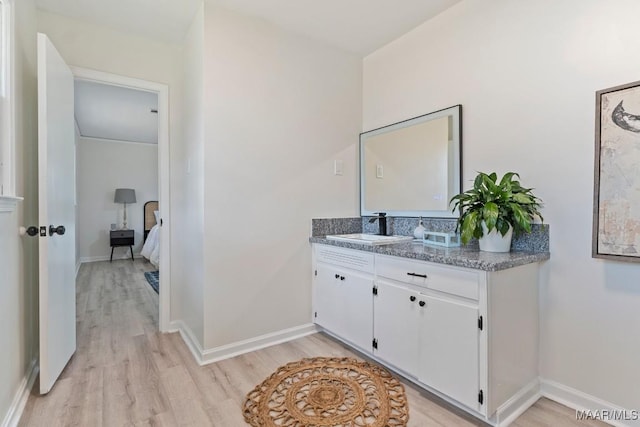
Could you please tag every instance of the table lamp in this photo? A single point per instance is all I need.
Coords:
(125, 195)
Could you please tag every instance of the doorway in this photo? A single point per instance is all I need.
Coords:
(95, 80)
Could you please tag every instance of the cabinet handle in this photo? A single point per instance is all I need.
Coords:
(422, 303)
(337, 276)
(412, 298)
(341, 277)
(424, 276)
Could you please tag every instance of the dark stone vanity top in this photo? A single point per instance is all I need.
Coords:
(468, 257)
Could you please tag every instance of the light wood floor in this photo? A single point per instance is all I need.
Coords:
(125, 373)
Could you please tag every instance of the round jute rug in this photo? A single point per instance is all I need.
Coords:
(328, 392)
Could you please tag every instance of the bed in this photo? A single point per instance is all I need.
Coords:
(151, 248)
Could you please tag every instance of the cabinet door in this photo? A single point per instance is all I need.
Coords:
(449, 349)
(397, 326)
(356, 292)
(343, 304)
(328, 305)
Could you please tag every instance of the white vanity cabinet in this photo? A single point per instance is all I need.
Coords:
(470, 336)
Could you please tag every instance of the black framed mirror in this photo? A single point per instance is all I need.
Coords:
(412, 168)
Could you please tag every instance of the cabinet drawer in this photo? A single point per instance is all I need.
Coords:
(356, 260)
(121, 233)
(402, 270)
(449, 280)
(122, 241)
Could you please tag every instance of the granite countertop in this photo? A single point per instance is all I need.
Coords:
(459, 257)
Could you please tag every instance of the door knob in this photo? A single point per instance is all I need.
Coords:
(31, 231)
(57, 230)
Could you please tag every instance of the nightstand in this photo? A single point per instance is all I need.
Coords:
(121, 238)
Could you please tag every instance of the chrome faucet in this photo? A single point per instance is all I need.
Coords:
(382, 222)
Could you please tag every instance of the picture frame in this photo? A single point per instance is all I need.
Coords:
(616, 205)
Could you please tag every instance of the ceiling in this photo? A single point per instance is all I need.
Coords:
(358, 26)
(115, 113)
(164, 20)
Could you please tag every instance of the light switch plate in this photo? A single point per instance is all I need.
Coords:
(338, 167)
(379, 171)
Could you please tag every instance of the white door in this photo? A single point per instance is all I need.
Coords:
(56, 199)
(449, 351)
(397, 326)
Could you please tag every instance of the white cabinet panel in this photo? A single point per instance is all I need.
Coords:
(451, 280)
(358, 317)
(403, 270)
(328, 304)
(449, 349)
(345, 258)
(397, 326)
(344, 304)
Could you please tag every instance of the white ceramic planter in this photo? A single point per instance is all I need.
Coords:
(494, 241)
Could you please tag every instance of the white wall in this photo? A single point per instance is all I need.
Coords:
(526, 74)
(279, 108)
(188, 199)
(104, 166)
(18, 257)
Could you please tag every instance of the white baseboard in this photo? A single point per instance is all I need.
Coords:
(267, 340)
(189, 338)
(174, 326)
(509, 411)
(22, 395)
(212, 355)
(87, 259)
(579, 400)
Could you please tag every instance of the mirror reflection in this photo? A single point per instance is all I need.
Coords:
(412, 168)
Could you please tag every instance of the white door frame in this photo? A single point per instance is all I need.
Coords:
(164, 181)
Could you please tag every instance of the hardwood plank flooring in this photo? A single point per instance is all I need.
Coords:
(126, 373)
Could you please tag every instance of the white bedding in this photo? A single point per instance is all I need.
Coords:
(151, 248)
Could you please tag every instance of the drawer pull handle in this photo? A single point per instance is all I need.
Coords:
(424, 276)
(422, 303)
(412, 298)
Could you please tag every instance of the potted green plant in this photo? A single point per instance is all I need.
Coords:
(492, 211)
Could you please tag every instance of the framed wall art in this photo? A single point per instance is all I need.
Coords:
(616, 206)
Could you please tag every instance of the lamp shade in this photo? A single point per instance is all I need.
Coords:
(125, 195)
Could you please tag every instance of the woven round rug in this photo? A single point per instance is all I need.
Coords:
(328, 392)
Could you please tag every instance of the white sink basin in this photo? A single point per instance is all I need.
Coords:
(369, 239)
